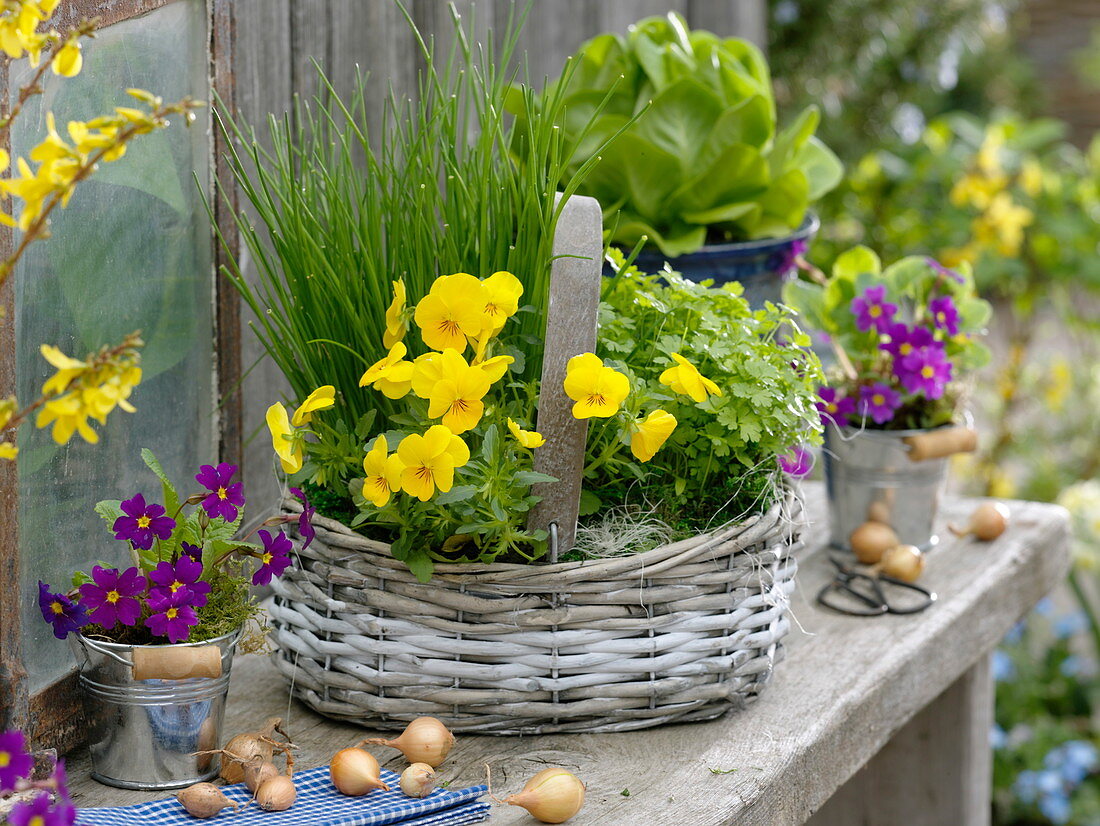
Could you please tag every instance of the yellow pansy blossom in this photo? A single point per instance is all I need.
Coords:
(284, 439)
(322, 398)
(458, 394)
(383, 473)
(650, 434)
(396, 320)
(391, 374)
(68, 60)
(427, 371)
(67, 369)
(598, 390)
(453, 309)
(530, 439)
(684, 378)
(8, 450)
(68, 416)
(502, 294)
(495, 368)
(430, 460)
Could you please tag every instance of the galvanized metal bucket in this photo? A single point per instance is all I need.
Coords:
(144, 733)
(870, 477)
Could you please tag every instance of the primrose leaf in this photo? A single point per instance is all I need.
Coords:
(109, 510)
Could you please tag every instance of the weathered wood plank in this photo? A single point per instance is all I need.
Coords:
(847, 686)
(746, 18)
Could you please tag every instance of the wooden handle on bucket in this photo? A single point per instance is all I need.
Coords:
(177, 663)
(945, 441)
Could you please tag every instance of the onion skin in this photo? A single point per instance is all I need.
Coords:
(987, 522)
(424, 740)
(256, 773)
(552, 796)
(904, 562)
(277, 794)
(242, 748)
(355, 772)
(418, 780)
(871, 540)
(204, 800)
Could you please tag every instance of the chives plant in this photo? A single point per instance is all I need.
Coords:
(344, 213)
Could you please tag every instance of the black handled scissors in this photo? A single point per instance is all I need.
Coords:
(864, 595)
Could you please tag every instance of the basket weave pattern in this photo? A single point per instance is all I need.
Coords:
(679, 633)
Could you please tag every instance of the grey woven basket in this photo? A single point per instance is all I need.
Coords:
(679, 633)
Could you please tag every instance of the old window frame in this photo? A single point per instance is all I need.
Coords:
(53, 716)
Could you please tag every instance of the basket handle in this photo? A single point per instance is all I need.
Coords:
(942, 442)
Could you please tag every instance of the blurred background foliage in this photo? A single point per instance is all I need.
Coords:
(942, 115)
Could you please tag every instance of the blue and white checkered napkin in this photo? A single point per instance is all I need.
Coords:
(318, 804)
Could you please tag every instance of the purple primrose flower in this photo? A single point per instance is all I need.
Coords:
(224, 498)
(15, 763)
(796, 461)
(41, 812)
(112, 596)
(61, 612)
(834, 409)
(787, 259)
(872, 310)
(879, 401)
(179, 577)
(275, 557)
(305, 520)
(944, 314)
(903, 339)
(141, 523)
(173, 615)
(926, 370)
(193, 551)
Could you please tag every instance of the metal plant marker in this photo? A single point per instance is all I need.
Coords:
(571, 320)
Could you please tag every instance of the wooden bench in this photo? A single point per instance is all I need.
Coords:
(868, 721)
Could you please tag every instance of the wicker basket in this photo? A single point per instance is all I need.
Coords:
(679, 633)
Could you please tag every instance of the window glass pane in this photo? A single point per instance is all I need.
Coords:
(131, 252)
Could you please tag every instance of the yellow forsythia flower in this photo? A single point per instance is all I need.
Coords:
(651, 433)
(1031, 177)
(453, 309)
(68, 416)
(390, 374)
(67, 369)
(684, 378)
(502, 294)
(1002, 225)
(1059, 384)
(457, 396)
(8, 407)
(68, 60)
(396, 322)
(430, 461)
(597, 390)
(8, 450)
(284, 439)
(530, 439)
(383, 473)
(320, 399)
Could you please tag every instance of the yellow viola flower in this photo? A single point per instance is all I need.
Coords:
(383, 473)
(320, 399)
(684, 378)
(396, 321)
(427, 371)
(530, 439)
(495, 368)
(284, 439)
(597, 390)
(8, 450)
(650, 434)
(67, 369)
(458, 394)
(68, 60)
(453, 309)
(68, 416)
(502, 294)
(430, 460)
(392, 375)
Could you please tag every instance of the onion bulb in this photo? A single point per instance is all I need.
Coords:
(871, 540)
(277, 794)
(242, 748)
(424, 740)
(204, 800)
(418, 780)
(551, 796)
(987, 522)
(355, 772)
(257, 772)
(904, 562)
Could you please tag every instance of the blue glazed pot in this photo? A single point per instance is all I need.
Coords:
(761, 266)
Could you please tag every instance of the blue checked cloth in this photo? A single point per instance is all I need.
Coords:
(318, 804)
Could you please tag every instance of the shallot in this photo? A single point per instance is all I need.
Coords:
(242, 748)
(418, 780)
(277, 794)
(871, 540)
(257, 771)
(424, 740)
(552, 796)
(204, 800)
(986, 523)
(904, 562)
(355, 772)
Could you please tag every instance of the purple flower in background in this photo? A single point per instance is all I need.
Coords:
(193, 551)
(796, 461)
(925, 370)
(834, 409)
(305, 520)
(15, 763)
(944, 314)
(141, 523)
(879, 401)
(179, 577)
(41, 812)
(111, 597)
(275, 558)
(903, 339)
(872, 310)
(787, 259)
(61, 612)
(945, 271)
(224, 498)
(173, 615)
